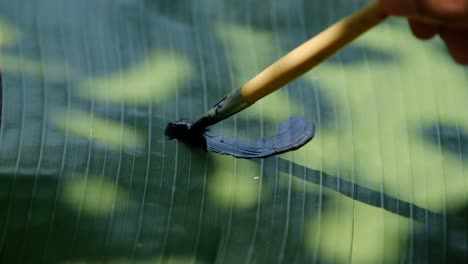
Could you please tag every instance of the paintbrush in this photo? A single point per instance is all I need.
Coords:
(283, 71)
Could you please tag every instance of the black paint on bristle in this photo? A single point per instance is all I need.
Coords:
(182, 130)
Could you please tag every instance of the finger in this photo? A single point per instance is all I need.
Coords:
(399, 7)
(422, 30)
(443, 9)
(430, 11)
(456, 41)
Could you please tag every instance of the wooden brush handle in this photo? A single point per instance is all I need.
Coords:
(311, 53)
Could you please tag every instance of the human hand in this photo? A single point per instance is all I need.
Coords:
(427, 18)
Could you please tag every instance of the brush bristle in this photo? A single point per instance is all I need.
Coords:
(182, 130)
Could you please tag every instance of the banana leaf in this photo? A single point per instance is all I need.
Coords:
(88, 176)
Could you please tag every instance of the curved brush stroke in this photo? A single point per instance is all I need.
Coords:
(292, 134)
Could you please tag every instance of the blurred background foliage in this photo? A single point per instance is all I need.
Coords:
(87, 175)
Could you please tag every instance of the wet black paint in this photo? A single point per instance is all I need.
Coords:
(183, 131)
(292, 134)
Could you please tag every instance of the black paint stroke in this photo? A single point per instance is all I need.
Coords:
(292, 134)
(355, 191)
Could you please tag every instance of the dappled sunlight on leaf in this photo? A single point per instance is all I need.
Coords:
(377, 143)
(251, 51)
(350, 227)
(8, 33)
(234, 183)
(152, 80)
(19, 65)
(94, 196)
(89, 176)
(378, 139)
(357, 233)
(107, 132)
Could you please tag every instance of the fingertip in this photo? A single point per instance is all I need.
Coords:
(456, 41)
(422, 30)
(459, 57)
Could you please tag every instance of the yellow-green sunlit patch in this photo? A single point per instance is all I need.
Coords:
(93, 195)
(153, 80)
(351, 231)
(103, 131)
(234, 183)
(357, 233)
(251, 51)
(50, 71)
(8, 33)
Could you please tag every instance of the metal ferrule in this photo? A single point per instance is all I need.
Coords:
(225, 108)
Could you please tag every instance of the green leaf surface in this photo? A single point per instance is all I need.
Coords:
(88, 176)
